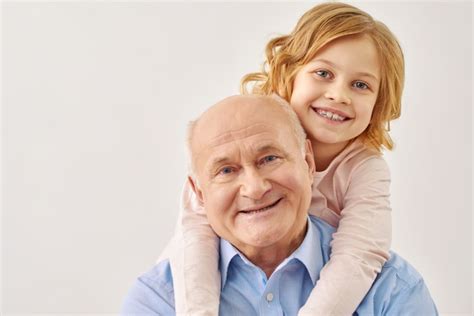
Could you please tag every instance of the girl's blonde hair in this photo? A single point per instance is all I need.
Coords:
(315, 29)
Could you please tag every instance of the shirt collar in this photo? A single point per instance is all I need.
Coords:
(227, 253)
(309, 253)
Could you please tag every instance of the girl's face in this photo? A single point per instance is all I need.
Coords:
(334, 94)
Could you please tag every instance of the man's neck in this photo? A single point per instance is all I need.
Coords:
(268, 258)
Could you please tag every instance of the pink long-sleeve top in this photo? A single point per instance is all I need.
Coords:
(352, 194)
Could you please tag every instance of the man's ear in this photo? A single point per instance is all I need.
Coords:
(196, 189)
(309, 157)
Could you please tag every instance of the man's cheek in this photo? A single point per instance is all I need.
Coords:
(223, 196)
(290, 179)
(218, 206)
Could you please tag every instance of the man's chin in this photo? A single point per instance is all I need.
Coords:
(261, 234)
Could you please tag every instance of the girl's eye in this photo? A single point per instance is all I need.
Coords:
(323, 73)
(360, 85)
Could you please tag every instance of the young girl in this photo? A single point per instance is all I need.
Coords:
(342, 73)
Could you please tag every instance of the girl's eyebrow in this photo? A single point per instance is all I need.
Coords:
(364, 74)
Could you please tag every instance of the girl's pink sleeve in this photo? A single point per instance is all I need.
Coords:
(360, 246)
(193, 253)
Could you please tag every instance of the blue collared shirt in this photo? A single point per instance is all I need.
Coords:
(398, 289)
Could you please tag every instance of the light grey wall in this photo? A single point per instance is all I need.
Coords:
(95, 100)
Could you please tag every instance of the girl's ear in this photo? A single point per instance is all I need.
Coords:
(309, 158)
(196, 189)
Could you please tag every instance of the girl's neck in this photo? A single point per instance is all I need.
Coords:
(325, 153)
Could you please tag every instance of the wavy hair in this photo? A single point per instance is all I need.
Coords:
(285, 55)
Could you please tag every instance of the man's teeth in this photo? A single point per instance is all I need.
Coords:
(260, 210)
(263, 209)
(331, 115)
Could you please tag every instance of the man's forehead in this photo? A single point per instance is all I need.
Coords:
(231, 135)
(236, 118)
(254, 139)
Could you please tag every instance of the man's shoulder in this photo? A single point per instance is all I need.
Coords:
(159, 275)
(324, 230)
(152, 293)
(398, 268)
(398, 290)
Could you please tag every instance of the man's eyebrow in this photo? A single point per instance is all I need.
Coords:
(218, 160)
(365, 74)
(271, 148)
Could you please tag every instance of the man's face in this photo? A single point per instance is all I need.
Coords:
(253, 178)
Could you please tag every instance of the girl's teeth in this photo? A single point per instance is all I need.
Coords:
(331, 116)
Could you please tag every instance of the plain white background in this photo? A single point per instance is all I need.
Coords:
(96, 97)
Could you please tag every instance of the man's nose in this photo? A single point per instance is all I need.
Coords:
(254, 185)
(338, 92)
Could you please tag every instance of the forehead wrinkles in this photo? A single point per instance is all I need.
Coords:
(238, 134)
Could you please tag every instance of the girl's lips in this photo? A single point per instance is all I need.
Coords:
(331, 117)
(327, 109)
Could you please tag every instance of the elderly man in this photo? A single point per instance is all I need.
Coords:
(253, 170)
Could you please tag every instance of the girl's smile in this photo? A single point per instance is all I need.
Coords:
(333, 116)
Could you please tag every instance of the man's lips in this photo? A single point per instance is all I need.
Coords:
(260, 208)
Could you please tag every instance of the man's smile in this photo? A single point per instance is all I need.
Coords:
(258, 209)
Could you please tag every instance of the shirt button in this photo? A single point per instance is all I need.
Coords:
(269, 297)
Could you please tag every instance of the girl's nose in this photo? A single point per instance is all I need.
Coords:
(337, 92)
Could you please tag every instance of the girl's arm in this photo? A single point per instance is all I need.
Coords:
(193, 254)
(360, 246)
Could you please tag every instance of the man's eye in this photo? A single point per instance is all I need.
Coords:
(269, 159)
(360, 85)
(225, 170)
(323, 73)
